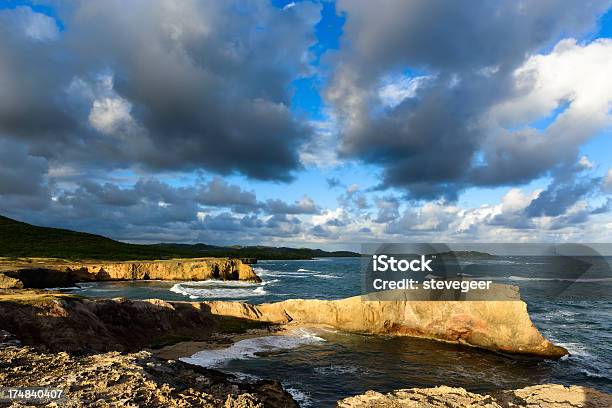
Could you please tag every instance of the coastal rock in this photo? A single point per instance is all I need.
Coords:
(135, 379)
(500, 326)
(55, 322)
(7, 282)
(537, 396)
(16, 275)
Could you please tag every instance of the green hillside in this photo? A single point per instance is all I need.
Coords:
(19, 239)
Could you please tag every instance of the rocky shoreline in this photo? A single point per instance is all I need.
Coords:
(53, 273)
(116, 352)
(537, 396)
(110, 352)
(117, 379)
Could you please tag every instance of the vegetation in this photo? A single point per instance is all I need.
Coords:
(22, 240)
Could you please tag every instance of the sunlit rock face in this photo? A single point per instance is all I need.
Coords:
(63, 274)
(545, 395)
(501, 326)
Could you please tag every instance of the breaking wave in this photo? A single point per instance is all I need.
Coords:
(250, 348)
(220, 289)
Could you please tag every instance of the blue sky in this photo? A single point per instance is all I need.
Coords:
(311, 123)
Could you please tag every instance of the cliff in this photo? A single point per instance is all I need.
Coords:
(537, 396)
(67, 332)
(501, 326)
(46, 273)
(56, 322)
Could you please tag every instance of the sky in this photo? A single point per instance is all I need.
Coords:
(309, 123)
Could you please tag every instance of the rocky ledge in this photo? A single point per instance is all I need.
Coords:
(502, 325)
(94, 348)
(134, 379)
(56, 273)
(537, 396)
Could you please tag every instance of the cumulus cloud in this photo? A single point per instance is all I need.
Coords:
(202, 96)
(36, 26)
(607, 182)
(20, 173)
(220, 193)
(304, 206)
(434, 132)
(432, 93)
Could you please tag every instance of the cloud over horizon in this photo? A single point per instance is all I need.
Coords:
(233, 122)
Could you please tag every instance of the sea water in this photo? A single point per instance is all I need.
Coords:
(320, 367)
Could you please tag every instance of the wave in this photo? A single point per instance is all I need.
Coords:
(79, 286)
(65, 288)
(261, 272)
(250, 348)
(301, 397)
(579, 280)
(593, 375)
(337, 369)
(220, 289)
(304, 270)
(326, 276)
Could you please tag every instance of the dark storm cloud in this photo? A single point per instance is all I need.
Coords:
(148, 210)
(157, 85)
(463, 54)
(252, 227)
(20, 173)
(218, 192)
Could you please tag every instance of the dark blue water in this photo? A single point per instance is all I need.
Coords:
(321, 367)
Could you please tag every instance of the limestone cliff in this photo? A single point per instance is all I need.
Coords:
(56, 274)
(537, 396)
(57, 322)
(500, 326)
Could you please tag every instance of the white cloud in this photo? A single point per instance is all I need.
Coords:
(607, 182)
(561, 100)
(572, 73)
(108, 114)
(37, 26)
(585, 163)
(320, 150)
(395, 90)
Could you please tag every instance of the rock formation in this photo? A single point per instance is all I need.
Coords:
(136, 379)
(16, 275)
(56, 322)
(500, 326)
(537, 396)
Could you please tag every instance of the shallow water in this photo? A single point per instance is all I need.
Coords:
(320, 368)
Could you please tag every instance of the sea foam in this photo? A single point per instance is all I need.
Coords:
(249, 348)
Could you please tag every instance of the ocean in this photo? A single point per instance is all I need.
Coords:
(320, 367)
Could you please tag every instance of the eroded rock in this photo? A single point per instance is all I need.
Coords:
(537, 396)
(136, 379)
(47, 274)
(500, 326)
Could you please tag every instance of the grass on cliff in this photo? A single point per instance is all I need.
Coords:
(22, 240)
